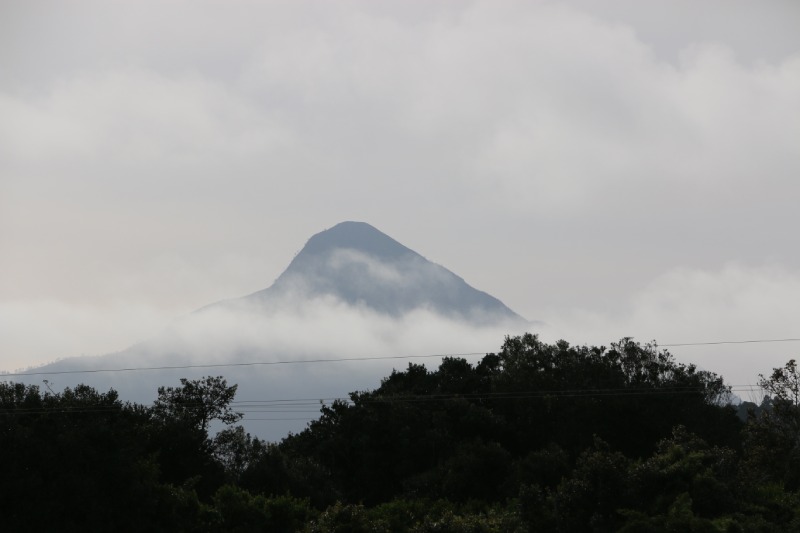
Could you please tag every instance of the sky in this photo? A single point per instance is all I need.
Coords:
(616, 168)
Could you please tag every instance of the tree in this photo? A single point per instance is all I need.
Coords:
(783, 386)
(198, 402)
(237, 451)
(181, 416)
(77, 460)
(773, 437)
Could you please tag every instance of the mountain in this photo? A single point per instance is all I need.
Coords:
(355, 263)
(352, 295)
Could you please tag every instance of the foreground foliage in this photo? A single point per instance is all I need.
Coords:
(537, 437)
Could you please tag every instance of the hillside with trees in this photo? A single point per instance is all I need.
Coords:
(535, 437)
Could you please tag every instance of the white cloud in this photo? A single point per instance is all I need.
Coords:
(735, 303)
(379, 270)
(319, 329)
(35, 332)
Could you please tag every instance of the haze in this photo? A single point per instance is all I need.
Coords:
(611, 169)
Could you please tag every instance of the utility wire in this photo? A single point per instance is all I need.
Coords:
(303, 405)
(727, 342)
(255, 363)
(281, 418)
(342, 359)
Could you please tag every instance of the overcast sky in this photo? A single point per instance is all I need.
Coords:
(609, 168)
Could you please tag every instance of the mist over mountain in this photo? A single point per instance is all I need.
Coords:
(351, 292)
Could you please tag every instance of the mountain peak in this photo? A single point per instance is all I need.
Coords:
(361, 266)
(355, 236)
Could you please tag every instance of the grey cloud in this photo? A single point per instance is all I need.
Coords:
(563, 157)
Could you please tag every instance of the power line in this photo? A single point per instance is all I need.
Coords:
(341, 359)
(255, 363)
(303, 405)
(265, 419)
(727, 342)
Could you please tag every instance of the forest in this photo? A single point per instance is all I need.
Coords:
(535, 437)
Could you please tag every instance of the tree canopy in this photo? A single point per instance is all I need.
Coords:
(535, 437)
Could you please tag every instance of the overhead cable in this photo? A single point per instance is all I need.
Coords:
(339, 360)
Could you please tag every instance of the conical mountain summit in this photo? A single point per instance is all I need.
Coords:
(361, 266)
